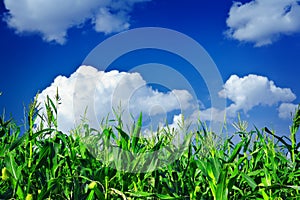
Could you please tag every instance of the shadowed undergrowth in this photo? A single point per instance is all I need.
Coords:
(45, 163)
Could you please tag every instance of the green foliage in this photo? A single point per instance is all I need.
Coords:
(45, 163)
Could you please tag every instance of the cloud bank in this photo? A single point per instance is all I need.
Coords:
(99, 92)
(262, 21)
(52, 19)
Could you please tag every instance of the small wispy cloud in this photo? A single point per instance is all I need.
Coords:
(286, 110)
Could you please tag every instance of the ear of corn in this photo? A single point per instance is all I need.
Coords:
(5, 174)
(29, 197)
(92, 185)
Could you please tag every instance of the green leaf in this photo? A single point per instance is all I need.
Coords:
(164, 196)
(249, 180)
(140, 194)
(16, 173)
(235, 152)
(124, 140)
(46, 130)
(52, 104)
(136, 133)
(99, 194)
(215, 167)
(51, 184)
(222, 190)
(19, 141)
(296, 120)
(91, 195)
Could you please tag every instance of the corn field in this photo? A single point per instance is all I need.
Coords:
(44, 163)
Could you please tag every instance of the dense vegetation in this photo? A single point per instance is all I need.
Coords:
(44, 163)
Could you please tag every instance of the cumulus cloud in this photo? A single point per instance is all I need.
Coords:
(262, 21)
(99, 92)
(253, 90)
(52, 19)
(286, 110)
(245, 93)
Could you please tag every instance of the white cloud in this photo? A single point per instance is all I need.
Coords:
(286, 109)
(52, 19)
(253, 90)
(107, 23)
(100, 91)
(263, 21)
(212, 113)
(245, 93)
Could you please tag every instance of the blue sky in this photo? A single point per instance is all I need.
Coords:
(254, 44)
